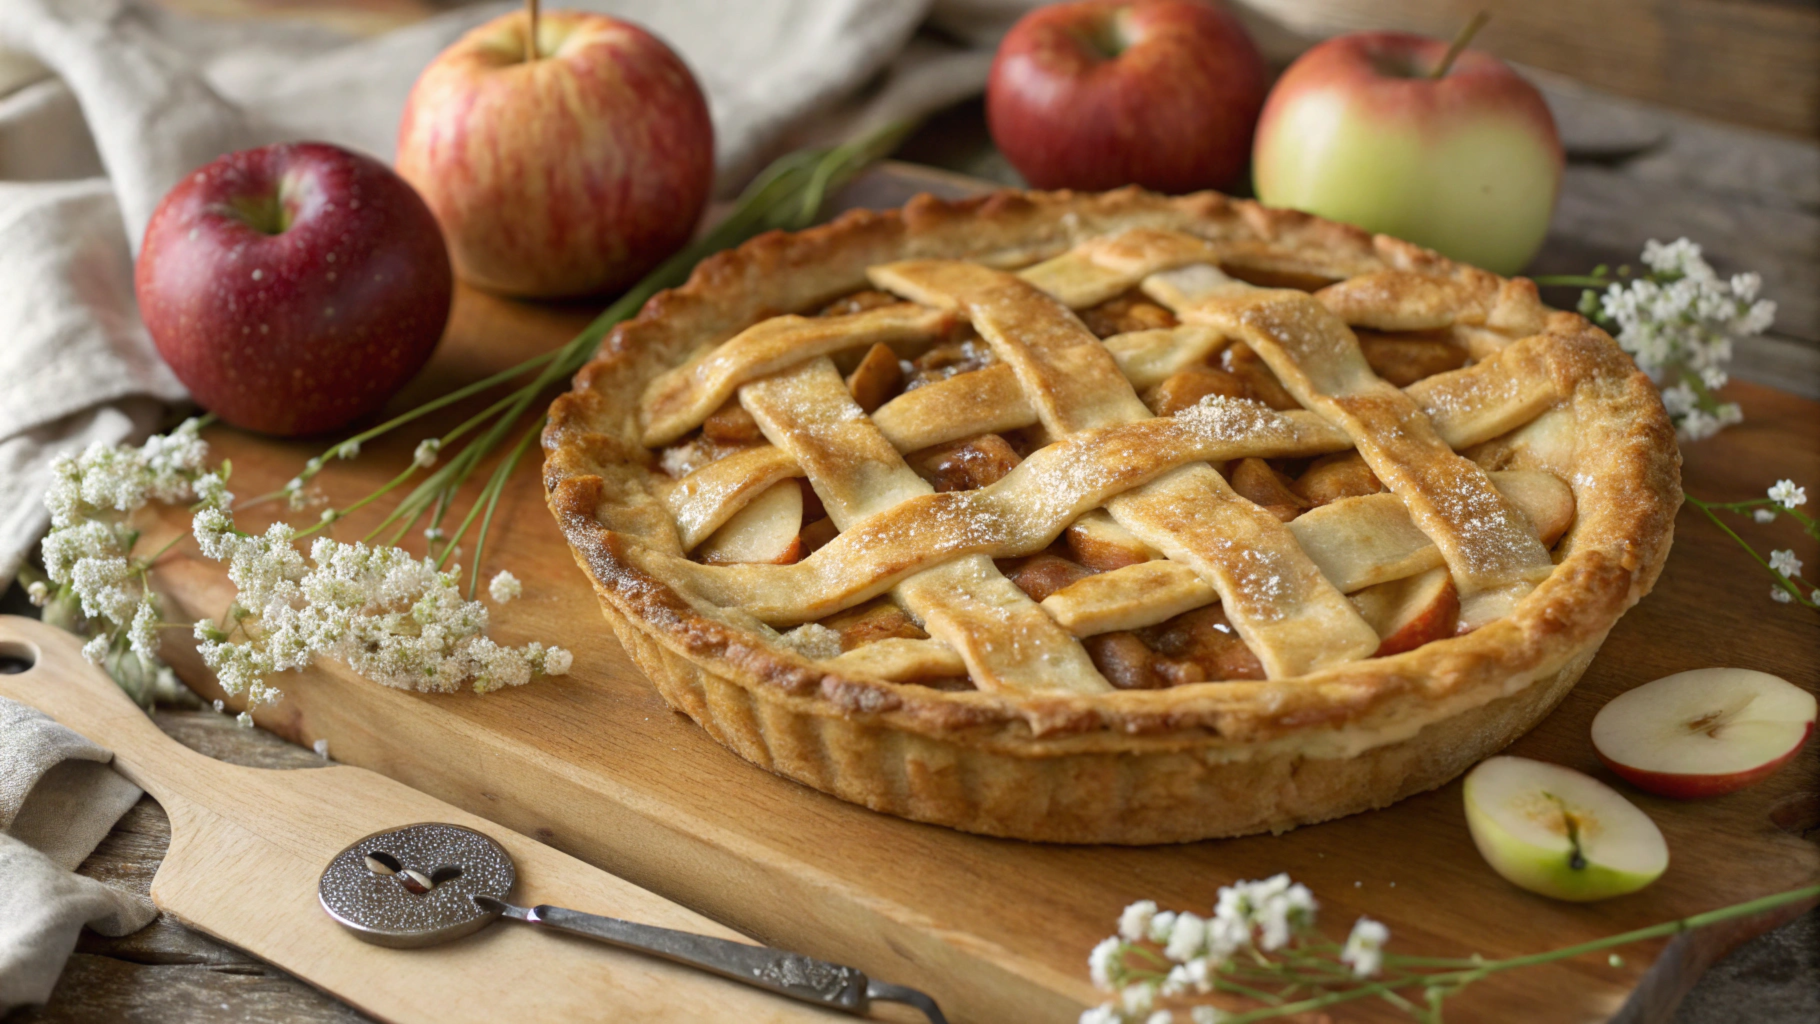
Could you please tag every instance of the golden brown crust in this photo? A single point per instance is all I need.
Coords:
(912, 750)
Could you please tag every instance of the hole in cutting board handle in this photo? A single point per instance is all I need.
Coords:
(16, 658)
(446, 873)
(380, 862)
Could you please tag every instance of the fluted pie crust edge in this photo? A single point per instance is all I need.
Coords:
(1151, 766)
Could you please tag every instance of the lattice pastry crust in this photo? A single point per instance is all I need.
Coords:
(1061, 586)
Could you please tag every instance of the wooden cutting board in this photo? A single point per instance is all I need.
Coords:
(248, 845)
(597, 766)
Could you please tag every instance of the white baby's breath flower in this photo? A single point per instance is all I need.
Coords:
(244, 720)
(39, 592)
(1208, 1015)
(1227, 935)
(1780, 596)
(142, 635)
(96, 648)
(1161, 925)
(1160, 1017)
(1134, 922)
(426, 452)
(1785, 562)
(349, 449)
(1365, 947)
(1105, 965)
(1763, 515)
(1105, 1013)
(1194, 976)
(211, 490)
(1786, 494)
(505, 587)
(1187, 939)
(1681, 321)
(557, 661)
(1137, 1000)
(321, 747)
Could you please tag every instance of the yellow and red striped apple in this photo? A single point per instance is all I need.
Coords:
(1358, 131)
(570, 174)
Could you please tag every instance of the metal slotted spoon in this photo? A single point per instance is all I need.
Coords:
(430, 883)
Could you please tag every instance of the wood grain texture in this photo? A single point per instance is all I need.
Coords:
(248, 845)
(596, 765)
(1747, 61)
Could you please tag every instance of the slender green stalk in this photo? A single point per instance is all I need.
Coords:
(1440, 984)
(495, 488)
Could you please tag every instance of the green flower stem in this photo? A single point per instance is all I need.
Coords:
(1781, 580)
(495, 487)
(1458, 979)
(1572, 280)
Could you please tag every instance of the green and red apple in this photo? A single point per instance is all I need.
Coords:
(294, 288)
(1559, 833)
(570, 168)
(1359, 130)
(1703, 733)
(1103, 93)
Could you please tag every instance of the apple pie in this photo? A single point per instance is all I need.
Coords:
(1110, 518)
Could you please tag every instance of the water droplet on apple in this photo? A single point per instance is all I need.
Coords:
(257, 274)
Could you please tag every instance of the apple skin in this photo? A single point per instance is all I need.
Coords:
(301, 329)
(1772, 702)
(1546, 868)
(1469, 164)
(573, 174)
(1173, 111)
(1687, 786)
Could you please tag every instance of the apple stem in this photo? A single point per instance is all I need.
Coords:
(1460, 42)
(531, 35)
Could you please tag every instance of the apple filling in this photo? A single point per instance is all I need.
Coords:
(1145, 622)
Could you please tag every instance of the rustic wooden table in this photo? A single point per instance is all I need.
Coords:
(1753, 199)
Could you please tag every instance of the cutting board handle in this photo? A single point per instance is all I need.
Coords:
(64, 685)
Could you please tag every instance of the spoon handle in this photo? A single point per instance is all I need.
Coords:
(787, 974)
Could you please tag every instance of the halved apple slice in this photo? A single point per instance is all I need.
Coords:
(767, 530)
(1559, 833)
(1097, 542)
(1704, 732)
(1410, 612)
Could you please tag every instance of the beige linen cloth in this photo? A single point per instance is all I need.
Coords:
(58, 798)
(104, 104)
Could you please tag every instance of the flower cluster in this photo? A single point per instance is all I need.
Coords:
(392, 618)
(1202, 954)
(95, 582)
(1785, 498)
(1277, 959)
(1678, 322)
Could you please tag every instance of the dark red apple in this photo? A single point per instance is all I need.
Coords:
(566, 169)
(293, 288)
(1103, 93)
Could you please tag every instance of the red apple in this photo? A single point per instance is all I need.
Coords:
(768, 530)
(1705, 732)
(571, 174)
(293, 288)
(1469, 163)
(1410, 612)
(1103, 93)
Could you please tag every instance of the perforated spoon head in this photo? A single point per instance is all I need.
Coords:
(415, 886)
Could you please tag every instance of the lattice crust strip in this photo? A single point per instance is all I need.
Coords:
(1281, 586)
